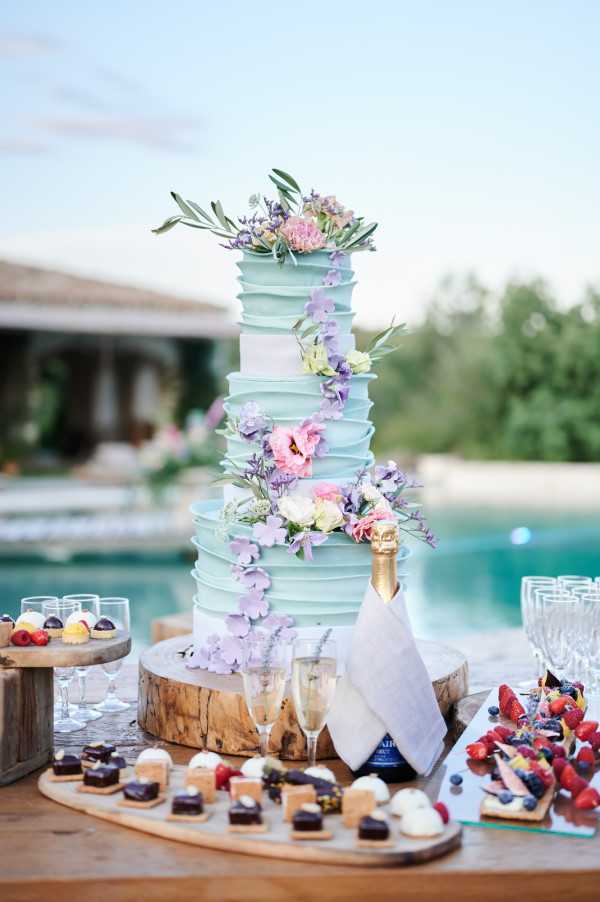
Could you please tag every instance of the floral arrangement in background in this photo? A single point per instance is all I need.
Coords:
(295, 223)
(173, 450)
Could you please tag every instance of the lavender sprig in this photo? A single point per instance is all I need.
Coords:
(322, 642)
(269, 647)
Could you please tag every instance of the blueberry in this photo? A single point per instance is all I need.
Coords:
(456, 779)
(505, 797)
(520, 772)
(529, 803)
(494, 710)
(534, 784)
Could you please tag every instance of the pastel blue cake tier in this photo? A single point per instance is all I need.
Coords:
(327, 590)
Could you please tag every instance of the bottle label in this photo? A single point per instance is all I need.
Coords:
(386, 755)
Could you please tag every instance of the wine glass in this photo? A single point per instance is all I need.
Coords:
(589, 640)
(117, 610)
(37, 603)
(65, 716)
(314, 675)
(264, 673)
(560, 628)
(530, 614)
(574, 583)
(85, 712)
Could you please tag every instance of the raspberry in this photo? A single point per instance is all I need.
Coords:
(21, 638)
(503, 732)
(442, 811)
(40, 637)
(573, 717)
(558, 750)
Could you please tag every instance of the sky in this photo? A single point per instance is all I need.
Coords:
(469, 131)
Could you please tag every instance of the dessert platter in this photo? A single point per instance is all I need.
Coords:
(263, 809)
(528, 762)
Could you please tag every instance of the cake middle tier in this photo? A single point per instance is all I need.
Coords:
(288, 401)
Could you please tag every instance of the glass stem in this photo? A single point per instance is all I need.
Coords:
(264, 731)
(111, 689)
(82, 676)
(311, 747)
(64, 699)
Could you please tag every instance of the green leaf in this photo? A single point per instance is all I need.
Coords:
(200, 211)
(362, 235)
(167, 225)
(185, 208)
(218, 211)
(288, 178)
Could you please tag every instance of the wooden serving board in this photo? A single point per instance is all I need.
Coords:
(275, 843)
(206, 710)
(59, 654)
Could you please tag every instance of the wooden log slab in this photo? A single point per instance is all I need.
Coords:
(26, 721)
(59, 654)
(205, 710)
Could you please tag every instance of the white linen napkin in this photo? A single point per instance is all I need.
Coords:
(386, 689)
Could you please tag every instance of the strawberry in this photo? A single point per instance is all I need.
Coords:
(540, 742)
(503, 732)
(558, 750)
(594, 741)
(568, 775)
(558, 765)
(559, 704)
(573, 717)
(526, 752)
(477, 750)
(586, 757)
(21, 638)
(514, 709)
(588, 798)
(585, 729)
(40, 637)
(442, 811)
(222, 774)
(578, 786)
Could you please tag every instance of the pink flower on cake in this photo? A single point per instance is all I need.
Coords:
(361, 531)
(293, 449)
(327, 491)
(302, 234)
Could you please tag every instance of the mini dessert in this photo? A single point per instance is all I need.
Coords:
(141, 793)
(65, 768)
(97, 752)
(206, 760)
(6, 628)
(245, 786)
(75, 634)
(377, 787)
(422, 822)
(119, 761)
(87, 617)
(374, 830)
(53, 626)
(320, 773)
(6, 618)
(329, 795)
(155, 764)
(188, 805)
(21, 638)
(357, 803)
(101, 779)
(245, 816)
(254, 767)
(294, 797)
(307, 823)
(103, 629)
(30, 621)
(406, 800)
(202, 779)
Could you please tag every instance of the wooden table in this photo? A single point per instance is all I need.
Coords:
(49, 852)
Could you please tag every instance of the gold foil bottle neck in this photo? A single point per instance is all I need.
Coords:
(384, 549)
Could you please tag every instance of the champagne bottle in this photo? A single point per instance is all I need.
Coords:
(386, 761)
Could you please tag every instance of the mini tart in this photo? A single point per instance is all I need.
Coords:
(30, 621)
(53, 626)
(103, 629)
(75, 634)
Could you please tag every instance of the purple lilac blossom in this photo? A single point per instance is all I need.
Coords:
(331, 409)
(253, 604)
(255, 578)
(333, 278)
(252, 423)
(319, 307)
(238, 625)
(232, 650)
(245, 550)
(337, 258)
(305, 541)
(270, 533)
(329, 334)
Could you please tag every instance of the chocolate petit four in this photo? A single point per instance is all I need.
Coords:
(97, 752)
(307, 823)
(65, 768)
(188, 805)
(103, 629)
(374, 830)
(53, 626)
(141, 793)
(245, 816)
(102, 779)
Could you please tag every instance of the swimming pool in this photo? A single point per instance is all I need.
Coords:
(469, 584)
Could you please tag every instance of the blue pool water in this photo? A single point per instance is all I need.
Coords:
(469, 584)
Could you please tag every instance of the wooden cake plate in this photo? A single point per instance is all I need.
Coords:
(27, 697)
(275, 842)
(206, 710)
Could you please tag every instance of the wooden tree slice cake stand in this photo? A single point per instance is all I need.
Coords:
(205, 710)
(275, 842)
(27, 697)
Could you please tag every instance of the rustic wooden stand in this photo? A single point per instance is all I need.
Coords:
(206, 710)
(27, 697)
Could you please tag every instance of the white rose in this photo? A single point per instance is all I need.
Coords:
(369, 492)
(385, 506)
(297, 509)
(328, 516)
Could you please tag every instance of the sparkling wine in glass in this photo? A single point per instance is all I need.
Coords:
(314, 677)
(83, 711)
(65, 715)
(264, 675)
(116, 610)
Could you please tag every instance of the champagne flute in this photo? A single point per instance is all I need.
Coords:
(264, 674)
(117, 610)
(530, 614)
(561, 612)
(314, 676)
(65, 719)
(83, 711)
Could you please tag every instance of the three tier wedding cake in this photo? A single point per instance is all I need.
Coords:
(288, 547)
